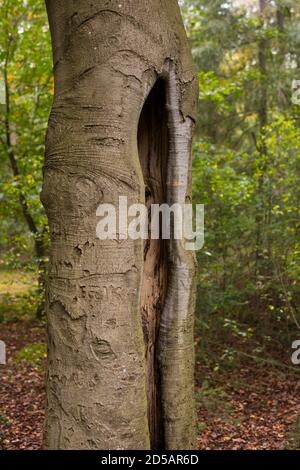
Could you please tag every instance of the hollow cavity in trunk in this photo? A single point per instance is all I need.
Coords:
(153, 151)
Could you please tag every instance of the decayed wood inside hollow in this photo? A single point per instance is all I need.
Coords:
(153, 152)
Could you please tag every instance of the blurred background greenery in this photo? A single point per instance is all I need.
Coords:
(245, 171)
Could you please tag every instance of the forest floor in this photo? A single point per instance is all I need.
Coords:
(249, 409)
(245, 407)
(247, 394)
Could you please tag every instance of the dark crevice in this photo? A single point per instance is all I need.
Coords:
(153, 138)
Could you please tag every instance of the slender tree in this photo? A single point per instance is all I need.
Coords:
(25, 90)
(120, 313)
(262, 149)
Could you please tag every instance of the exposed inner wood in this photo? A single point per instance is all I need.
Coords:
(153, 151)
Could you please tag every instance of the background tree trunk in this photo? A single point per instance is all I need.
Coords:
(120, 314)
(262, 148)
(37, 233)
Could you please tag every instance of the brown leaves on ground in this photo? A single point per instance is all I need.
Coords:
(248, 407)
(22, 392)
(257, 411)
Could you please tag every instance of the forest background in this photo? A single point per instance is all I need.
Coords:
(245, 170)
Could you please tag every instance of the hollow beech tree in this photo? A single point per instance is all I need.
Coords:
(120, 312)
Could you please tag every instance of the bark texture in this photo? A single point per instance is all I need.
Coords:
(120, 313)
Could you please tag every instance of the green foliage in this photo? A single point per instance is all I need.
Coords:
(294, 436)
(215, 400)
(19, 297)
(26, 70)
(201, 426)
(33, 353)
(246, 168)
(4, 420)
(14, 308)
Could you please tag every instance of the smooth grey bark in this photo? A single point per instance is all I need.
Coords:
(120, 313)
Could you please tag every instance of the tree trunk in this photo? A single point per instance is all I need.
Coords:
(120, 312)
(262, 148)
